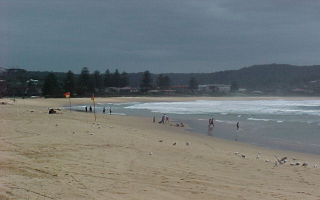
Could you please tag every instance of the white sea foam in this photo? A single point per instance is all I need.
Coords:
(274, 107)
(255, 119)
(294, 124)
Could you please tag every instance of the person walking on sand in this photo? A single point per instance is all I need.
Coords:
(238, 126)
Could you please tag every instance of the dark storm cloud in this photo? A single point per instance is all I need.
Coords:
(159, 36)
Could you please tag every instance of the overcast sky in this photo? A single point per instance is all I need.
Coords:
(179, 36)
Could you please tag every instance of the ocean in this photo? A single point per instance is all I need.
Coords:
(278, 124)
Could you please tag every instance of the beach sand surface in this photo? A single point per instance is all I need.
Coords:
(78, 155)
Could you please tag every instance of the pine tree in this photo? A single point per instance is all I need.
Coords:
(107, 80)
(163, 82)
(116, 79)
(97, 81)
(166, 82)
(51, 86)
(160, 81)
(193, 84)
(146, 82)
(234, 86)
(69, 83)
(124, 79)
(85, 84)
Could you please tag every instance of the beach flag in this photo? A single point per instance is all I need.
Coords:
(67, 94)
(94, 107)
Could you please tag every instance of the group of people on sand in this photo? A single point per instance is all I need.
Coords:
(103, 110)
(165, 119)
(86, 108)
(179, 125)
(211, 124)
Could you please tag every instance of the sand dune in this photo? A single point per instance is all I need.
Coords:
(57, 157)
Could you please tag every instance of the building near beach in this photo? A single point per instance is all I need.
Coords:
(214, 88)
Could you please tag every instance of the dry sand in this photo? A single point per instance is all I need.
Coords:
(71, 156)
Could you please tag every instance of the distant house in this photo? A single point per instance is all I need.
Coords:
(32, 81)
(127, 89)
(215, 88)
(32, 87)
(180, 87)
(242, 90)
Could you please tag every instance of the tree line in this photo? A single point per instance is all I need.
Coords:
(53, 84)
(84, 84)
(272, 77)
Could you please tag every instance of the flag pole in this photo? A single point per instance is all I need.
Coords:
(70, 103)
(94, 110)
(67, 95)
(94, 107)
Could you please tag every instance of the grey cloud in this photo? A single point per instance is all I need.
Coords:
(159, 36)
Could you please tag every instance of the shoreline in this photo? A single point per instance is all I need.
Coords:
(223, 132)
(71, 156)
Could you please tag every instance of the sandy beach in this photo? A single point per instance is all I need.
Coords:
(70, 155)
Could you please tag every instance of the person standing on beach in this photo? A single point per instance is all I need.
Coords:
(90, 109)
(154, 119)
(104, 110)
(211, 122)
(238, 126)
(86, 108)
(164, 117)
(167, 120)
(110, 111)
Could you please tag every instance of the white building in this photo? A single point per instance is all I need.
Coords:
(220, 88)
